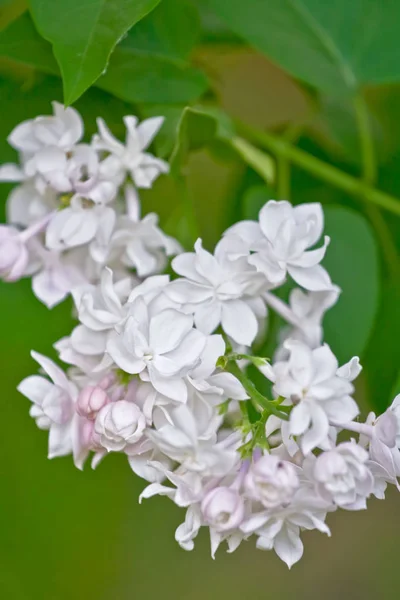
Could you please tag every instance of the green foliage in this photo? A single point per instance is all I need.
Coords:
(83, 34)
(170, 30)
(352, 260)
(334, 46)
(134, 74)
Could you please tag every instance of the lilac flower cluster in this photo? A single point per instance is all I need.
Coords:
(157, 364)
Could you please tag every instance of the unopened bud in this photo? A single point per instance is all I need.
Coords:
(90, 400)
(223, 508)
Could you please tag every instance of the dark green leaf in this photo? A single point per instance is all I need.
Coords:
(334, 46)
(170, 30)
(83, 34)
(22, 43)
(131, 76)
(135, 77)
(352, 260)
(382, 360)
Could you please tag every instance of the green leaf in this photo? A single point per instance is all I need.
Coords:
(131, 76)
(135, 77)
(196, 130)
(170, 30)
(83, 34)
(382, 359)
(352, 260)
(334, 46)
(22, 43)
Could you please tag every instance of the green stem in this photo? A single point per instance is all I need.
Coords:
(283, 179)
(366, 141)
(319, 168)
(255, 396)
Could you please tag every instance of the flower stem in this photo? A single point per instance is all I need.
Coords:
(258, 400)
(319, 168)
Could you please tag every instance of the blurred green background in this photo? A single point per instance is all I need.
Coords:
(67, 534)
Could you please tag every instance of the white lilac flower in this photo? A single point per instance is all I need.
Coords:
(342, 475)
(162, 348)
(138, 242)
(279, 529)
(26, 206)
(119, 424)
(14, 255)
(281, 243)
(272, 481)
(63, 130)
(53, 404)
(219, 291)
(103, 306)
(130, 158)
(79, 224)
(318, 389)
(304, 314)
(181, 440)
(381, 436)
(43, 144)
(223, 509)
(57, 275)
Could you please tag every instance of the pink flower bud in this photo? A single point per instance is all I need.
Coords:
(107, 381)
(13, 254)
(90, 400)
(223, 508)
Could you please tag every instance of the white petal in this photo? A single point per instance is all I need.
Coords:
(213, 349)
(288, 545)
(317, 433)
(11, 172)
(168, 329)
(273, 215)
(60, 440)
(350, 370)
(312, 257)
(172, 388)
(184, 292)
(207, 317)
(148, 129)
(300, 418)
(52, 370)
(315, 279)
(125, 361)
(239, 322)
(311, 213)
(230, 385)
(35, 388)
(188, 353)
(324, 362)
